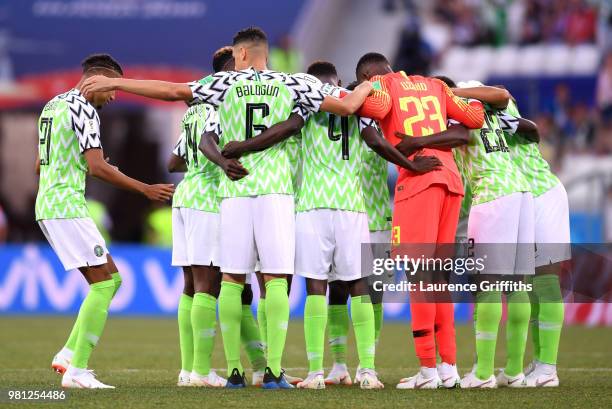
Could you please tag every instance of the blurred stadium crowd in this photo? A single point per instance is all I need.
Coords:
(575, 117)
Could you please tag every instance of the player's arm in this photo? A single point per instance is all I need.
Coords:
(378, 104)
(99, 168)
(469, 114)
(271, 136)
(420, 164)
(164, 90)
(209, 146)
(177, 162)
(511, 124)
(494, 96)
(350, 103)
(37, 165)
(455, 135)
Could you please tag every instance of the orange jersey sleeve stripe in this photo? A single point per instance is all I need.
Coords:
(378, 104)
(470, 115)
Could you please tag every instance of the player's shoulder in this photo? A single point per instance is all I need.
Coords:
(78, 105)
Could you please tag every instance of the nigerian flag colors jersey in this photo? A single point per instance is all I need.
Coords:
(486, 163)
(527, 157)
(198, 189)
(67, 127)
(249, 102)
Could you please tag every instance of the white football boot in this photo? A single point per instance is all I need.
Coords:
(61, 362)
(339, 375)
(505, 381)
(470, 381)
(183, 378)
(257, 379)
(543, 376)
(449, 377)
(368, 379)
(82, 379)
(212, 380)
(314, 380)
(426, 378)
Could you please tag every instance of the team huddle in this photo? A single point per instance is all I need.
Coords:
(287, 174)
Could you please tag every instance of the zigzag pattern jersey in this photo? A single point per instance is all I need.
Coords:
(67, 127)
(248, 103)
(332, 151)
(527, 157)
(485, 160)
(198, 189)
(375, 190)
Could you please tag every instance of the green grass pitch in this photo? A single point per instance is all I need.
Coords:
(141, 358)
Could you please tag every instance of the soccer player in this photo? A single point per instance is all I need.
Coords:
(331, 223)
(552, 238)
(69, 148)
(501, 213)
(411, 110)
(195, 241)
(257, 212)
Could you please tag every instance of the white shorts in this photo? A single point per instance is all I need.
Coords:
(327, 238)
(503, 231)
(77, 242)
(552, 228)
(255, 226)
(195, 237)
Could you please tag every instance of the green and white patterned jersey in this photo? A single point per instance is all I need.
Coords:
(527, 157)
(293, 145)
(485, 160)
(375, 190)
(332, 151)
(248, 103)
(198, 189)
(67, 127)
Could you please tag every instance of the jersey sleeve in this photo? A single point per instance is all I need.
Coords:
(211, 90)
(365, 122)
(307, 91)
(212, 123)
(301, 111)
(508, 123)
(469, 114)
(378, 104)
(180, 148)
(86, 124)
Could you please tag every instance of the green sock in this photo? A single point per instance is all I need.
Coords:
(204, 321)
(230, 315)
(92, 318)
(251, 340)
(185, 332)
(362, 315)
(533, 322)
(550, 316)
(262, 322)
(117, 280)
(315, 320)
(488, 312)
(277, 315)
(517, 328)
(338, 324)
(72, 338)
(378, 320)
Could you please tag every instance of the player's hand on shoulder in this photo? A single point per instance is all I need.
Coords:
(423, 164)
(160, 192)
(97, 83)
(232, 150)
(234, 169)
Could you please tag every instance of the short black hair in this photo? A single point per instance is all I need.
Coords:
(369, 58)
(446, 80)
(221, 57)
(94, 61)
(319, 68)
(252, 33)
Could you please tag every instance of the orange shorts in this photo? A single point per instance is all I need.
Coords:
(430, 216)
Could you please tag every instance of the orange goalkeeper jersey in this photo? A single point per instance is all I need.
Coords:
(419, 106)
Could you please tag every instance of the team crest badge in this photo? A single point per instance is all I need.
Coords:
(98, 251)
